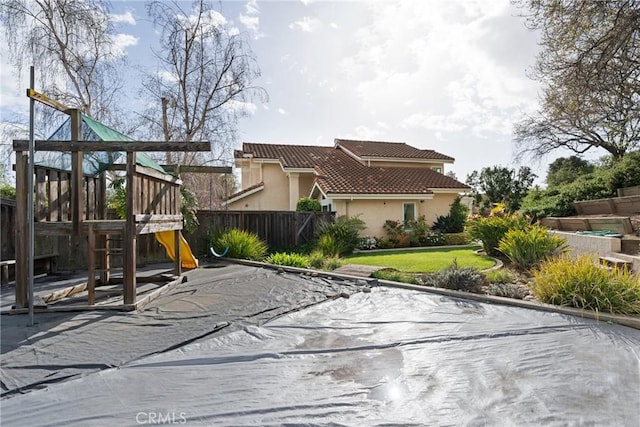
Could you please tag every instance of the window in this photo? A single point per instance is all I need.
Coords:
(409, 212)
(437, 169)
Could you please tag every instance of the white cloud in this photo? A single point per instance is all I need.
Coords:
(240, 106)
(306, 24)
(251, 20)
(362, 132)
(282, 111)
(124, 18)
(439, 66)
(211, 20)
(167, 76)
(121, 42)
(334, 25)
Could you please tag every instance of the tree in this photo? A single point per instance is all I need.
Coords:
(501, 185)
(72, 42)
(589, 64)
(565, 170)
(204, 83)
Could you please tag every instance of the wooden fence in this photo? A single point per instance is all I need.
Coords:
(279, 229)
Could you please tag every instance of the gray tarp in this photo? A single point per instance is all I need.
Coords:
(390, 357)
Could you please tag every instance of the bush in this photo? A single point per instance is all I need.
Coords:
(241, 244)
(490, 230)
(328, 245)
(308, 204)
(499, 275)
(345, 232)
(456, 239)
(506, 290)
(367, 243)
(581, 283)
(332, 264)
(7, 191)
(316, 259)
(396, 234)
(290, 259)
(459, 279)
(454, 221)
(525, 248)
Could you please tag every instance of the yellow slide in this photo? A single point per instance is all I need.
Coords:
(167, 240)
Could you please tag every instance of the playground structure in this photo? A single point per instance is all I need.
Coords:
(72, 203)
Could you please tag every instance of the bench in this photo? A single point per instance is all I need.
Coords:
(42, 264)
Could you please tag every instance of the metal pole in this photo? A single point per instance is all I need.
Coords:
(30, 232)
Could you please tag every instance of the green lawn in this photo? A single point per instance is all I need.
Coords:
(423, 260)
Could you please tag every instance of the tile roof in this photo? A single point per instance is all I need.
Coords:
(395, 150)
(341, 174)
(291, 156)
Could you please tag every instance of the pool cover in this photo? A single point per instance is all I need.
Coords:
(388, 357)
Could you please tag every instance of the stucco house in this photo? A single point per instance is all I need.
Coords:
(372, 179)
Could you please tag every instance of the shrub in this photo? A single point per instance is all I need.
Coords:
(290, 259)
(308, 204)
(454, 239)
(525, 248)
(459, 279)
(241, 244)
(581, 283)
(332, 264)
(490, 230)
(367, 242)
(432, 238)
(345, 232)
(507, 290)
(7, 191)
(396, 234)
(454, 221)
(329, 246)
(316, 259)
(500, 275)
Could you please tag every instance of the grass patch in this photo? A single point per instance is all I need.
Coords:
(428, 260)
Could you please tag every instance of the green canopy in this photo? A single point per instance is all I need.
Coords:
(93, 163)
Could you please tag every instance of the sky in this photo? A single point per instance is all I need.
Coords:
(446, 75)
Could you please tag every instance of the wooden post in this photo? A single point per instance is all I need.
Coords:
(22, 256)
(130, 238)
(77, 198)
(91, 282)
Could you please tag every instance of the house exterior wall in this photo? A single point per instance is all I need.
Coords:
(375, 212)
(274, 197)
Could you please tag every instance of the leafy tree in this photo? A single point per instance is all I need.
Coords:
(590, 70)
(565, 170)
(308, 204)
(500, 185)
(599, 184)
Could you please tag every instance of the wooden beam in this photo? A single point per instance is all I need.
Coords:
(130, 237)
(111, 146)
(22, 256)
(198, 169)
(183, 168)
